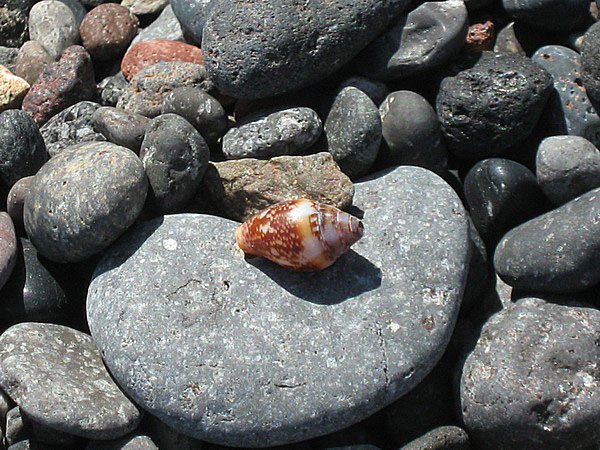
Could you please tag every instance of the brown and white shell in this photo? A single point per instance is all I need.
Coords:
(301, 234)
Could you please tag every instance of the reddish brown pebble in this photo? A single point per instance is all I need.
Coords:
(61, 84)
(107, 30)
(8, 248)
(16, 199)
(480, 36)
(146, 53)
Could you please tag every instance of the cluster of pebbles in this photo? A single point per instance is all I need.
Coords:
(136, 136)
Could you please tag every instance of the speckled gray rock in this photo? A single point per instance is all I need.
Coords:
(111, 88)
(8, 57)
(22, 149)
(149, 87)
(425, 38)
(532, 380)
(141, 7)
(83, 199)
(241, 188)
(166, 26)
(13, 22)
(175, 158)
(53, 24)
(203, 111)
(590, 61)
(133, 441)
(555, 252)
(56, 376)
(287, 44)
(553, 15)
(121, 127)
(441, 438)
(566, 167)
(411, 132)
(73, 125)
(8, 247)
(274, 356)
(353, 132)
(273, 133)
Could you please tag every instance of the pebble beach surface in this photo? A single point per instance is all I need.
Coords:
(136, 136)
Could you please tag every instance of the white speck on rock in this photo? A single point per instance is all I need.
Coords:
(170, 244)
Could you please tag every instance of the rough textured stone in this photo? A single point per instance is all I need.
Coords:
(22, 149)
(8, 247)
(141, 7)
(425, 38)
(149, 52)
(60, 85)
(175, 158)
(13, 22)
(8, 57)
(166, 26)
(492, 106)
(441, 438)
(72, 126)
(590, 61)
(107, 30)
(111, 88)
(121, 127)
(323, 350)
(31, 60)
(192, 15)
(12, 90)
(241, 188)
(288, 44)
(53, 24)
(56, 376)
(555, 252)
(16, 199)
(553, 15)
(531, 380)
(353, 132)
(480, 36)
(83, 199)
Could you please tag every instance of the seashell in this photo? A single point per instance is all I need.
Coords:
(301, 234)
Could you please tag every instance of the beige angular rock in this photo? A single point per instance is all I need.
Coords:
(12, 89)
(140, 7)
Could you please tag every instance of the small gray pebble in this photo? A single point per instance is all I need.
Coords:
(53, 24)
(111, 88)
(31, 60)
(166, 26)
(376, 90)
(8, 58)
(121, 127)
(441, 438)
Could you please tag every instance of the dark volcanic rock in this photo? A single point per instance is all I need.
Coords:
(553, 15)
(590, 61)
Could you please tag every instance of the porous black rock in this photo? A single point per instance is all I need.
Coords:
(492, 106)
(256, 49)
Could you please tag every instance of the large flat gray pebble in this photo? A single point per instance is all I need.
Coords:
(252, 354)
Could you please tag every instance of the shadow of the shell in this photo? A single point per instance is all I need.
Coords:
(349, 277)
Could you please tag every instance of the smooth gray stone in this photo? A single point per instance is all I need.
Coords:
(8, 247)
(532, 382)
(425, 38)
(121, 127)
(83, 199)
(192, 15)
(241, 353)
(288, 44)
(566, 167)
(376, 90)
(273, 133)
(166, 26)
(111, 88)
(53, 24)
(133, 441)
(551, 15)
(555, 252)
(56, 376)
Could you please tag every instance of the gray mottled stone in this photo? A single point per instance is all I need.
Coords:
(353, 132)
(566, 167)
(15, 428)
(266, 134)
(53, 24)
(83, 199)
(141, 7)
(8, 247)
(77, 8)
(8, 57)
(175, 158)
(590, 61)
(555, 252)
(532, 381)
(288, 44)
(111, 88)
(56, 376)
(425, 38)
(442, 438)
(166, 26)
(31, 60)
(13, 22)
(253, 354)
(121, 127)
(71, 126)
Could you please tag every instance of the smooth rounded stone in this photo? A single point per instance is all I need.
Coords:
(12, 90)
(287, 45)
(508, 42)
(53, 24)
(8, 57)
(566, 167)
(192, 15)
(133, 441)
(175, 157)
(31, 60)
(491, 107)
(267, 348)
(569, 110)
(56, 376)
(448, 437)
(555, 252)
(73, 125)
(111, 88)
(425, 38)
(267, 134)
(531, 380)
(502, 194)
(22, 149)
(61, 84)
(107, 30)
(552, 15)
(141, 7)
(376, 90)
(83, 199)
(353, 131)
(411, 132)
(77, 8)
(13, 22)
(590, 61)
(8, 247)
(241, 188)
(149, 87)
(149, 52)
(166, 26)
(16, 199)
(207, 115)
(45, 435)
(121, 127)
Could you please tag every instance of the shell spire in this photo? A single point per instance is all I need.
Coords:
(301, 234)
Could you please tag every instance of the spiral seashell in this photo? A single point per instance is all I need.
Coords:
(301, 234)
